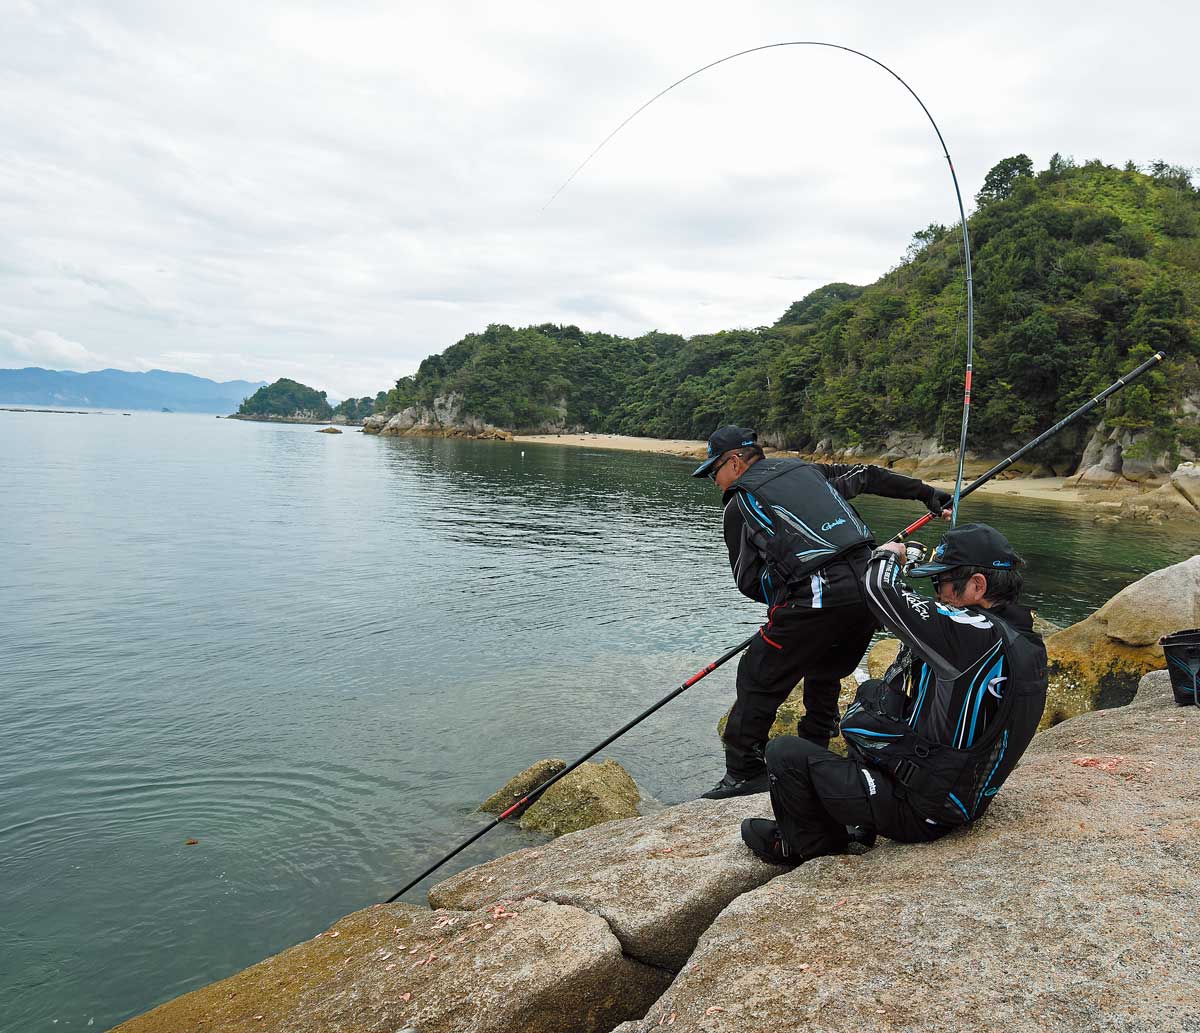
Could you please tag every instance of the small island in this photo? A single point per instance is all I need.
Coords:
(286, 401)
(289, 401)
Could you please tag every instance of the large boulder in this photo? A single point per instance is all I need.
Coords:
(589, 795)
(521, 784)
(1070, 908)
(375, 424)
(1097, 662)
(1179, 498)
(1186, 481)
(529, 966)
(658, 881)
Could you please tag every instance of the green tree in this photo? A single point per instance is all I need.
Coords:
(1002, 179)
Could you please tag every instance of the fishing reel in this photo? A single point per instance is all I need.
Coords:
(914, 553)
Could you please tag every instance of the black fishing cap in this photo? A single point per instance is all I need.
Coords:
(722, 440)
(972, 545)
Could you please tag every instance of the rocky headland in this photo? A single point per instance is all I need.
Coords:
(445, 418)
(1072, 905)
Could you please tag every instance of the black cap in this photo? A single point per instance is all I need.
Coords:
(722, 440)
(972, 545)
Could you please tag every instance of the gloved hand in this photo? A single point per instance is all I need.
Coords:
(937, 500)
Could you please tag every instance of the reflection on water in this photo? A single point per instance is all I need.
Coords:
(315, 654)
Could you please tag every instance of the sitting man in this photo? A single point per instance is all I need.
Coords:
(931, 742)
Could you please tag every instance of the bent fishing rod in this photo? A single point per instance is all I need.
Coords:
(962, 215)
(532, 796)
(1004, 464)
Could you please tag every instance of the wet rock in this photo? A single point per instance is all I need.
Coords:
(329, 430)
(528, 966)
(658, 881)
(589, 795)
(1098, 662)
(1071, 907)
(517, 786)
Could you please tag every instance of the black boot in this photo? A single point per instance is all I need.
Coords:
(731, 785)
(859, 839)
(762, 837)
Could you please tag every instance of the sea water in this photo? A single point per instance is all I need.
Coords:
(314, 655)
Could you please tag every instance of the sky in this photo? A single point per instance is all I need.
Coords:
(331, 192)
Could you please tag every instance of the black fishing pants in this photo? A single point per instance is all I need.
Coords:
(820, 646)
(815, 794)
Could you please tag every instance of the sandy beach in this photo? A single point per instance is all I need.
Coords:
(1049, 489)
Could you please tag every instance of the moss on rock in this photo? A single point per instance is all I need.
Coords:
(519, 785)
(590, 794)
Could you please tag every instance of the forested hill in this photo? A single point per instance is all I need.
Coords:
(1080, 272)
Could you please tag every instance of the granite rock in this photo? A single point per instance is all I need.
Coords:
(658, 881)
(532, 966)
(1097, 662)
(1071, 907)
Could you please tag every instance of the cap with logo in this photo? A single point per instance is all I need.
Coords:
(972, 545)
(722, 440)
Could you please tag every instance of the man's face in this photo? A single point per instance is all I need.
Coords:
(727, 469)
(971, 595)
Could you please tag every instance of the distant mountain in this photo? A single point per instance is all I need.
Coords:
(120, 389)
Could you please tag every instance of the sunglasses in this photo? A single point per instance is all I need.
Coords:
(712, 472)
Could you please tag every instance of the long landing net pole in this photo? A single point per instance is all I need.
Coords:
(532, 796)
(1004, 464)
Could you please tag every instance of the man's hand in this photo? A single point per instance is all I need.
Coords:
(895, 548)
(938, 502)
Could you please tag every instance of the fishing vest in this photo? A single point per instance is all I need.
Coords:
(952, 786)
(796, 519)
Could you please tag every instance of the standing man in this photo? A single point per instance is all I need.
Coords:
(930, 743)
(796, 544)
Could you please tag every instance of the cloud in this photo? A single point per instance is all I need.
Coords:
(333, 193)
(48, 349)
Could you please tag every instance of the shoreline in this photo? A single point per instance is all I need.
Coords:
(1044, 489)
(291, 419)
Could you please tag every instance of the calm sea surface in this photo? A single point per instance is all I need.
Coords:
(316, 654)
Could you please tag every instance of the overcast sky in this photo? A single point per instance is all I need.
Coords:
(331, 192)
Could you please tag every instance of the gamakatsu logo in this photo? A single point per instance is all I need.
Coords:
(832, 524)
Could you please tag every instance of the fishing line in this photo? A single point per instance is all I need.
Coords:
(962, 215)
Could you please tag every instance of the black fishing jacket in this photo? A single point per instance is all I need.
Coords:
(792, 534)
(952, 716)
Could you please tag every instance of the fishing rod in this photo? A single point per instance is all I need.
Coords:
(1004, 464)
(962, 215)
(532, 796)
